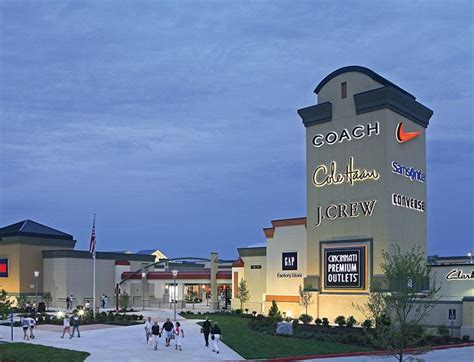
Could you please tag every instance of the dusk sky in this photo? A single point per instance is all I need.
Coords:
(175, 121)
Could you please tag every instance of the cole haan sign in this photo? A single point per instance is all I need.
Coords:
(345, 210)
(325, 176)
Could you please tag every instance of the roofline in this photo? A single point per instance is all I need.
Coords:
(359, 69)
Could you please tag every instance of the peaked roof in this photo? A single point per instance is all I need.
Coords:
(32, 228)
(356, 68)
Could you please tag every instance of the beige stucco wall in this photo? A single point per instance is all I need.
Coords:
(286, 239)
(452, 289)
(23, 261)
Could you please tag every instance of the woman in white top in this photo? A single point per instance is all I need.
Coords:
(148, 325)
(66, 326)
(179, 335)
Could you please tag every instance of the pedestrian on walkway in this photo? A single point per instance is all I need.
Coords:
(148, 325)
(155, 334)
(179, 335)
(216, 336)
(206, 330)
(31, 323)
(167, 330)
(71, 299)
(68, 303)
(75, 322)
(66, 326)
(25, 324)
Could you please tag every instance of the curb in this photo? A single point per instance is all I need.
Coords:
(373, 353)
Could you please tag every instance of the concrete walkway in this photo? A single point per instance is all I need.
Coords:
(128, 343)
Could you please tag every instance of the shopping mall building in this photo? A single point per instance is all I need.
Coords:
(366, 179)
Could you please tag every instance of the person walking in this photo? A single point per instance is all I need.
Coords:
(206, 330)
(25, 324)
(148, 325)
(216, 336)
(32, 323)
(106, 301)
(75, 321)
(68, 303)
(168, 331)
(71, 298)
(155, 334)
(179, 335)
(66, 326)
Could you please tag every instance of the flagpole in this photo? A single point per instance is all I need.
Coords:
(92, 250)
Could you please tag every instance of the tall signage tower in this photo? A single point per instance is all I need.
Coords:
(365, 180)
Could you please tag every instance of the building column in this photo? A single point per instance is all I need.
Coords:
(214, 305)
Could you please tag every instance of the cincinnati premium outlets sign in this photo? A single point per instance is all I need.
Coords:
(344, 267)
(345, 210)
(324, 176)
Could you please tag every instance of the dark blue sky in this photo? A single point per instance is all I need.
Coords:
(176, 121)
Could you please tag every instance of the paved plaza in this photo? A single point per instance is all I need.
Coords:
(106, 343)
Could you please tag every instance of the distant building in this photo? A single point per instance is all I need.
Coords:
(157, 253)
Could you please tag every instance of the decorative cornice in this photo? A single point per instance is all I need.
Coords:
(393, 99)
(317, 114)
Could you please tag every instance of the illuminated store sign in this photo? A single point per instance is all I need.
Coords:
(3, 268)
(403, 136)
(323, 176)
(457, 274)
(408, 202)
(356, 133)
(344, 267)
(289, 261)
(345, 210)
(409, 172)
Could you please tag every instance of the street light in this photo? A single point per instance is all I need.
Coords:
(175, 274)
(37, 274)
(470, 256)
(143, 289)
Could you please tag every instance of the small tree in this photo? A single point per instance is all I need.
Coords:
(305, 318)
(340, 320)
(243, 293)
(5, 303)
(124, 300)
(351, 322)
(48, 298)
(306, 298)
(274, 312)
(318, 321)
(399, 307)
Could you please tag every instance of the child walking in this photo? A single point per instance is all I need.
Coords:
(179, 335)
(66, 326)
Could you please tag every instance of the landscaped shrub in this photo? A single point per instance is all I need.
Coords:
(443, 331)
(274, 313)
(254, 313)
(367, 324)
(140, 317)
(246, 310)
(295, 324)
(344, 339)
(340, 320)
(318, 321)
(465, 338)
(238, 311)
(325, 322)
(351, 322)
(306, 318)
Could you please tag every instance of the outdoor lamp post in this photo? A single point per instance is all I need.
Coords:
(175, 274)
(143, 290)
(37, 274)
(470, 256)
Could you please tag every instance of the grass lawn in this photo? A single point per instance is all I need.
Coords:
(34, 352)
(253, 345)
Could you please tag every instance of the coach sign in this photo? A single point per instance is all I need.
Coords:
(344, 267)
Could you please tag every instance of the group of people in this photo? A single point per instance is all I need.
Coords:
(69, 300)
(175, 332)
(73, 321)
(170, 331)
(103, 301)
(28, 325)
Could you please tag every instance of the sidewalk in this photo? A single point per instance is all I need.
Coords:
(128, 343)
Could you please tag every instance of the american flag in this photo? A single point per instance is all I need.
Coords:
(92, 244)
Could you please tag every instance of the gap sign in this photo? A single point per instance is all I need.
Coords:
(289, 261)
(344, 267)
